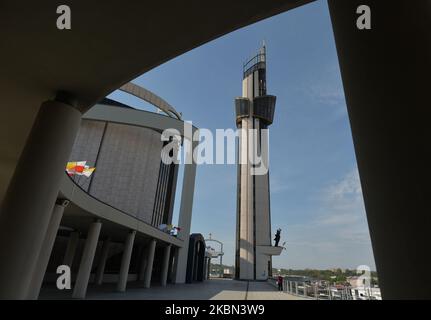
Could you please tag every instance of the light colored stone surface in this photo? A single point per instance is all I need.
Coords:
(214, 289)
(266, 291)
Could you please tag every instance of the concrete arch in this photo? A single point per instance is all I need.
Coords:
(151, 98)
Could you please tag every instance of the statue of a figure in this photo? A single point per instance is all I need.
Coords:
(277, 237)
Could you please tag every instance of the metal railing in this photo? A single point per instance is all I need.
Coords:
(313, 290)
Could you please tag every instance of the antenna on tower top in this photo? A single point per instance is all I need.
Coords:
(262, 50)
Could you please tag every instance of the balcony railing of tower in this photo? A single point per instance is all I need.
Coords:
(257, 62)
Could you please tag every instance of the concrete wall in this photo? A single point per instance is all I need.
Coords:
(86, 147)
(127, 161)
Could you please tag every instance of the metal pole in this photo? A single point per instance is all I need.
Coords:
(221, 260)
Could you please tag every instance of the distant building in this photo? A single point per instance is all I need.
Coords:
(228, 272)
(354, 281)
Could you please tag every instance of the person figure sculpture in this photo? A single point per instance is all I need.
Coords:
(277, 237)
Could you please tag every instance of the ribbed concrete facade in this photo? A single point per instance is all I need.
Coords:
(129, 175)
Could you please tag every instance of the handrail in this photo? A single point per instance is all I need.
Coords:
(324, 292)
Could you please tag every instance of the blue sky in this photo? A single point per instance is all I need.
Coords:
(315, 190)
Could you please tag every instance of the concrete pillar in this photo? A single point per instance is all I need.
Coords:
(125, 261)
(174, 265)
(185, 217)
(84, 272)
(387, 95)
(45, 252)
(150, 260)
(72, 244)
(206, 268)
(296, 287)
(102, 263)
(28, 203)
(143, 264)
(165, 265)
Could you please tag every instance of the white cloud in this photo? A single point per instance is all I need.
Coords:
(348, 186)
(325, 89)
(327, 93)
(342, 202)
(277, 184)
(338, 235)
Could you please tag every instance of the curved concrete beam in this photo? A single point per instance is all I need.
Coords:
(136, 117)
(101, 210)
(151, 98)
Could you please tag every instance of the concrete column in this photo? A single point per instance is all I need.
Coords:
(296, 287)
(102, 263)
(143, 264)
(206, 268)
(174, 265)
(84, 272)
(185, 218)
(125, 261)
(45, 252)
(387, 94)
(150, 260)
(72, 244)
(28, 203)
(165, 265)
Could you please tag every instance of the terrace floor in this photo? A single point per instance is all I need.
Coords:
(213, 289)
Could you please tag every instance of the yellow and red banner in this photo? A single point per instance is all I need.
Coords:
(79, 168)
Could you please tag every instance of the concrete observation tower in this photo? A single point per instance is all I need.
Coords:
(254, 110)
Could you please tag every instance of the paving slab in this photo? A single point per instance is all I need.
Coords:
(213, 289)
